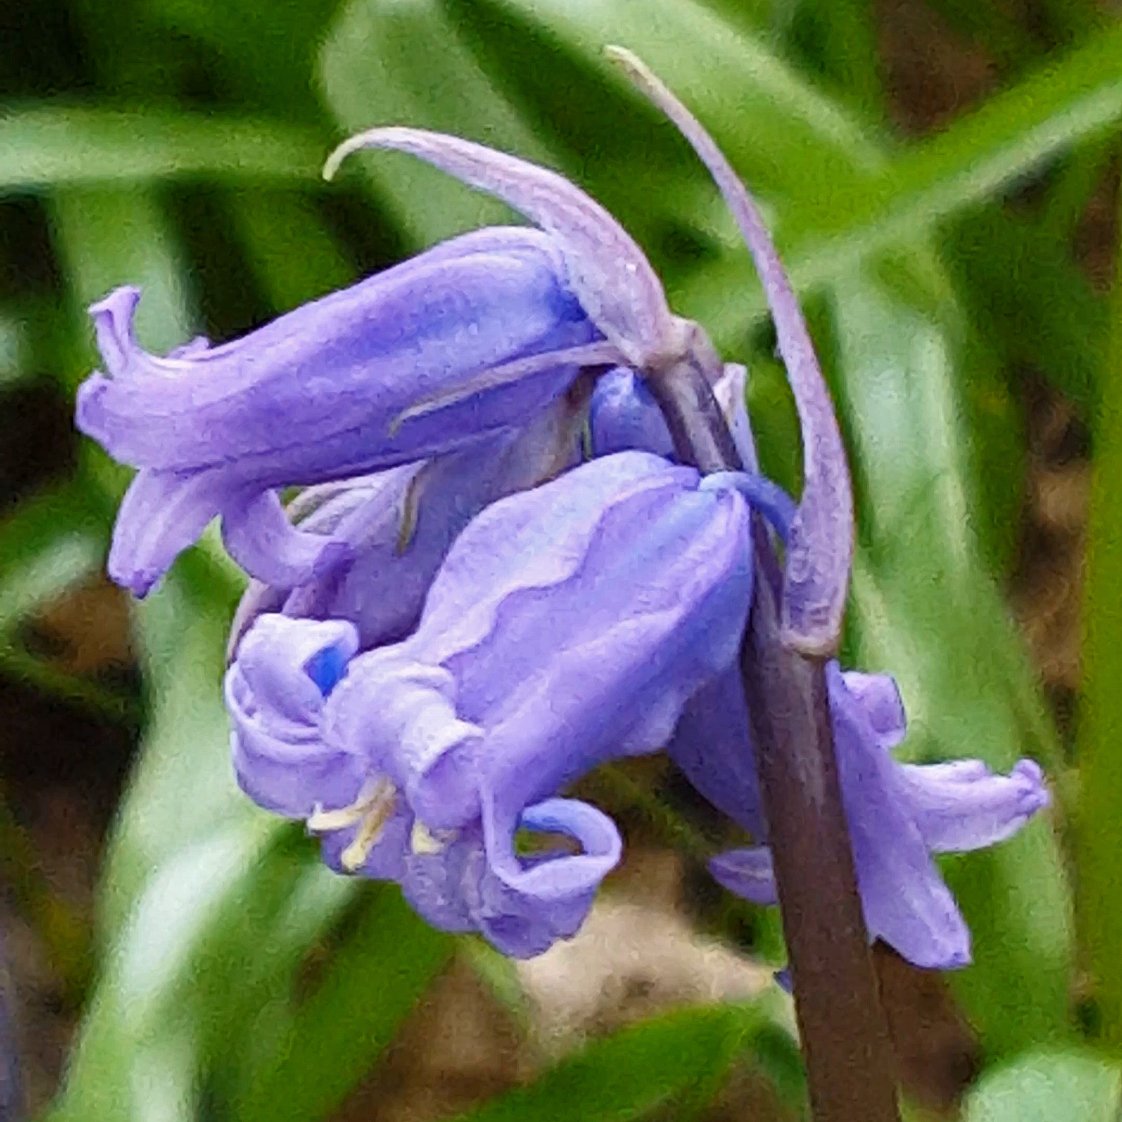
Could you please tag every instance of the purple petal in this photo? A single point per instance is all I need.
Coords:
(609, 273)
(275, 693)
(112, 319)
(879, 700)
(348, 363)
(526, 904)
(748, 873)
(472, 880)
(766, 497)
(387, 855)
(712, 745)
(537, 539)
(624, 416)
(820, 551)
(322, 393)
(445, 887)
(906, 902)
(568, 625)
(564, 875)
(398, 525)
(407, 726)
(161, 514)
(962, 805)
(260, 538)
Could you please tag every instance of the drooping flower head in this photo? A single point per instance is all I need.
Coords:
(616, 284)
(461, 618)
(567, 626)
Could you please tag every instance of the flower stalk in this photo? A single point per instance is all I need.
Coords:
(842, 1026)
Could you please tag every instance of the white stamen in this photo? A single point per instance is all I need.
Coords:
(370, 812)
(373, 822)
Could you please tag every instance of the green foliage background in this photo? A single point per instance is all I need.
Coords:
(177, 144)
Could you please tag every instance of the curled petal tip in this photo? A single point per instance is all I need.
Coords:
(1035, 795)
(341, 151)
(112, 316)
(629, 62)
(820, 552)
(607, 271)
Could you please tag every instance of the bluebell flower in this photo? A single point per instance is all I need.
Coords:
(567, 626)
(319, 394)
(458, 619)
(470, 337)
(898, 814)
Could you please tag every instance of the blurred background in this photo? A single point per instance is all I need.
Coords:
(942, 178)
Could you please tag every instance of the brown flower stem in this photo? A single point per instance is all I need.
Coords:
(844, 1035)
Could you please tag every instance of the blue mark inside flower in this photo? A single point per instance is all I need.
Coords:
(326, 667)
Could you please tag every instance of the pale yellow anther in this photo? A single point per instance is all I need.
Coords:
(423, 841)
(321, 820)
(410, 512)
(370, 830)
(370, 812)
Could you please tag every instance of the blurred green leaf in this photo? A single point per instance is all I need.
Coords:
(1034, 299)
(183, 849)
(1074, 97)
(926, 611)
(185, 750)
(44, 148)
(47, 545)
(1098, 822)
(405, 63)
(13, 348)
(500, 975)
(326, 1043)
(1073, 184)
(266, 56)
(111, 236)
(143, 1004)
(292, 252)
(628, 1074)
(1046, 1086)
(782, 127)
(379, 66)
(823, 233)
